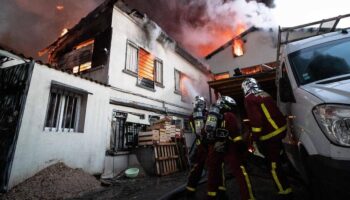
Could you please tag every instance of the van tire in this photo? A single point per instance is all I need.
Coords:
(318, 190)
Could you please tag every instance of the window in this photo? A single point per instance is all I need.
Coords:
(144, 65)
(158, 71)
(79, 59)
(131, 57)
(221, 76)
(321, 61)
(65, 110)
(124, 134)
(177, 81)
(146, 69)
(237, 47)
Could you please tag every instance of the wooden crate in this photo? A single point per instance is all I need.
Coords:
(167, 158)
(148, 138)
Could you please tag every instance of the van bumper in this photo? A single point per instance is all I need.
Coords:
(334, 174)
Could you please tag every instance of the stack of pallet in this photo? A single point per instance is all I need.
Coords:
(167, 132)
(148, 138)
(167, 158)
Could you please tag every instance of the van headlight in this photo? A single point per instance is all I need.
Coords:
(334, 121)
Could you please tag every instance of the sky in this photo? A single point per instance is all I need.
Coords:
(295, 12)
(30, 25)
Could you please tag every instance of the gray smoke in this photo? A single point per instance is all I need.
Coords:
(29, 26)
(202, 24)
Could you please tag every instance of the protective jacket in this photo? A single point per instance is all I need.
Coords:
(266, 120)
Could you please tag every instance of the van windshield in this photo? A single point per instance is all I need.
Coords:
(321, 61)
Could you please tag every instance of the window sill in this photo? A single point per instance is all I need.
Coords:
(146, 88)
(130, 73)
(53, 130)
(177, 92)
(159, 85)
(116, 153)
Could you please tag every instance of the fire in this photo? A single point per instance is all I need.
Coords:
(59, 7)
(237, 46)
(223, 35)
(64, 31)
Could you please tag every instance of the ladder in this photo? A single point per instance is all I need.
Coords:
(316, 28)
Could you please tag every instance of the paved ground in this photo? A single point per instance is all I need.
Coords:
(262, 184)
(172, 187)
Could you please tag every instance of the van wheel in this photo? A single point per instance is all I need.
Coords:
(318, 190)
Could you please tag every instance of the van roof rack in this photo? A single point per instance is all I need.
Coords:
(315, 28)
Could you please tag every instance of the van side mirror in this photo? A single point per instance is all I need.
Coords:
(285, 90)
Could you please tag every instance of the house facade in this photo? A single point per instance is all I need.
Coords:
(258, 52)
(109, 77)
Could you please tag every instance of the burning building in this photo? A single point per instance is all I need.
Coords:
(253, 53)
(109, 76)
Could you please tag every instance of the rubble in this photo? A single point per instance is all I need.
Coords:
(55, 182)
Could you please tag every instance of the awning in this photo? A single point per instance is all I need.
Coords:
(136, 119)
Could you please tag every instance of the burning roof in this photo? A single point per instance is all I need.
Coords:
(90, 24)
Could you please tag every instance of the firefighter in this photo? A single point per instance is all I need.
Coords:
(226, 144)
(198, 159)
(268, 127)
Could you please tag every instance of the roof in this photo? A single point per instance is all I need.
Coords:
(22, 56)
(104, 7)
(229, 43)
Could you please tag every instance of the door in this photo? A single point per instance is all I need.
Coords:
(14, 84)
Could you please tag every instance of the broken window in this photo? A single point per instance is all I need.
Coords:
(79, 59)
(178, 81)
(237, 47)
(131, 57)
(65, 111)
(146, 69)
(158, 71)
(144, 65)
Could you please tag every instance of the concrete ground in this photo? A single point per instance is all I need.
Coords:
(172, 187)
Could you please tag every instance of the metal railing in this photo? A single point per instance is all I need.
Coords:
(315, 28)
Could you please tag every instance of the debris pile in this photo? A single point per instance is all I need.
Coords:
(55, 182)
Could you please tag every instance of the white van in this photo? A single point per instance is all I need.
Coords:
(313, 82)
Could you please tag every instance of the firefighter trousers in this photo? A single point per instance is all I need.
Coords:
(235, 161)
(272, 149)
(198, 162)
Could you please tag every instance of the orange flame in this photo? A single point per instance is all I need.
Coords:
(224, 34)
(59, 7)
(237, 46)
(64, 31)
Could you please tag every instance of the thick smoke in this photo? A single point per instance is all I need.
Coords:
(203, 25)
(198, 25)
(29, 26)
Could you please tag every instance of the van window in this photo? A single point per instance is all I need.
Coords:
(322, 61)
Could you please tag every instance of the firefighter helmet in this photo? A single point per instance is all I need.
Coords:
(250, 85)
(226, 102)
(199, 102)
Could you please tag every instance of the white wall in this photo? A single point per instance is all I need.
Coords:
(259, 49)
(125, 28)
(37, 149)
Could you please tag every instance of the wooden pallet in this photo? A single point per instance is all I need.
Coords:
(167, 158)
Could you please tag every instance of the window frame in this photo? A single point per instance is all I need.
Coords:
(177, 91)
(159, 84)
(65, 92)
(126, 69)
(120, 134)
